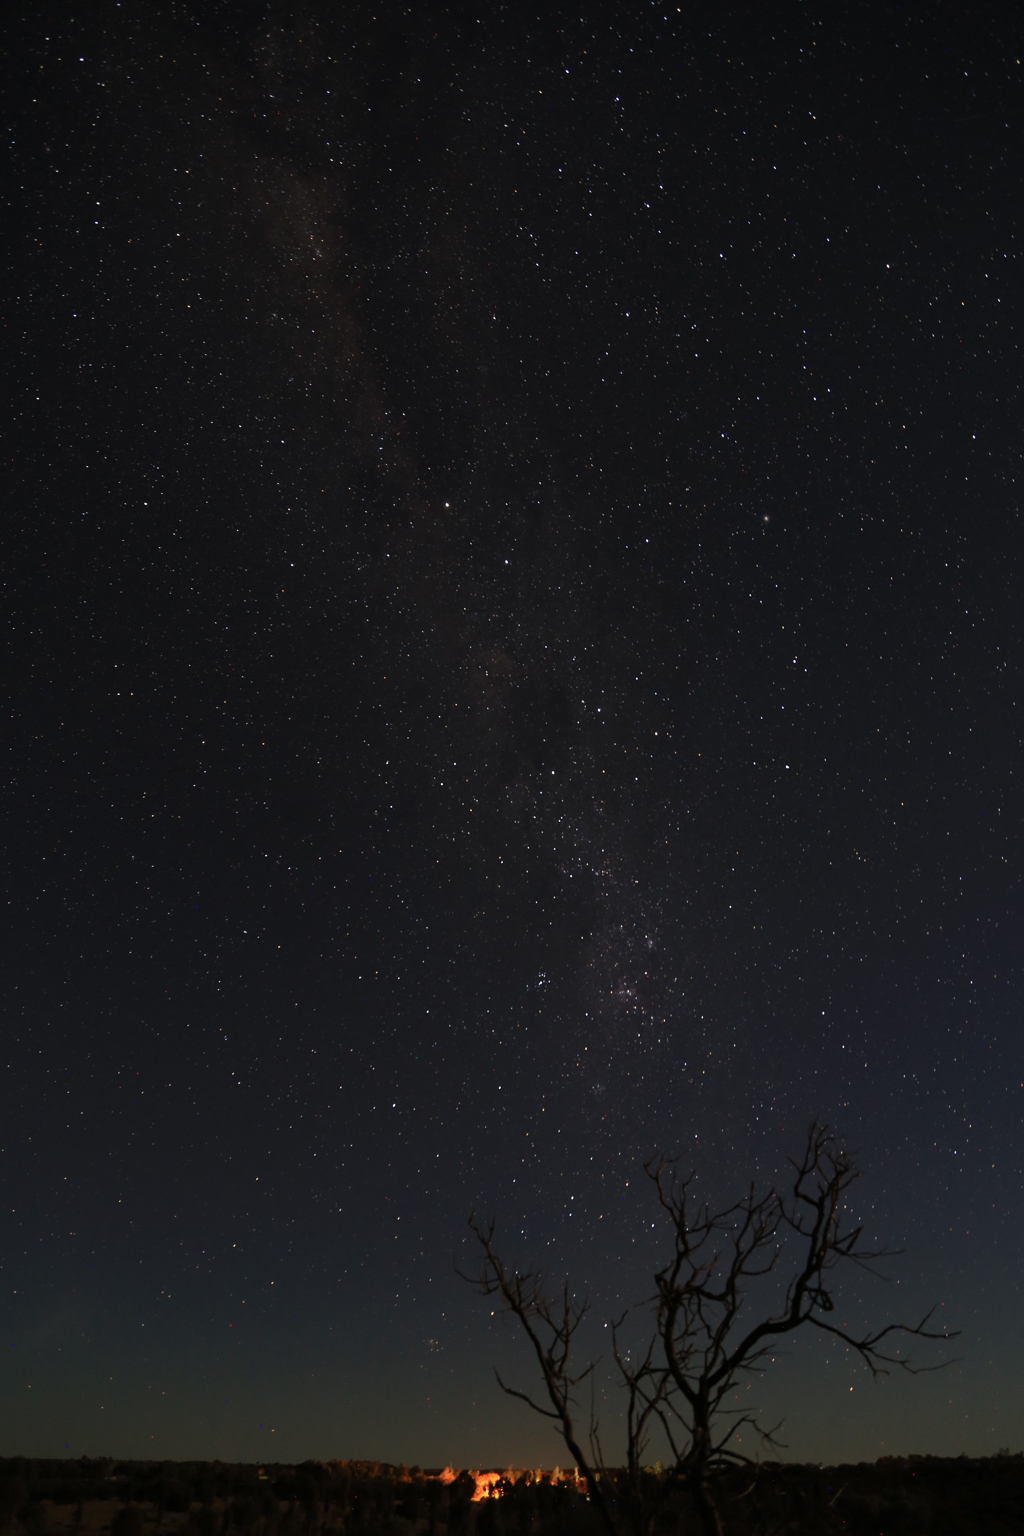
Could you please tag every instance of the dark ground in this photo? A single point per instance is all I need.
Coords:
(919, 1496)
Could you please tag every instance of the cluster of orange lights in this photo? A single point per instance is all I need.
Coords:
(485, 1481)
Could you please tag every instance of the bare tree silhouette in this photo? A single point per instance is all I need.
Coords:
(702, 1343)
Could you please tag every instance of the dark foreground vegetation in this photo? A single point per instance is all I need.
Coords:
(916, 1496)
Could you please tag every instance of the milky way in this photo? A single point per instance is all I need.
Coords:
(514, 664)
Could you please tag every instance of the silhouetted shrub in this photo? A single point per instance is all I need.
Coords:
(13, 1498)
(126, 1521)
(205, 1521)
(242, 1514)
(33, 1518)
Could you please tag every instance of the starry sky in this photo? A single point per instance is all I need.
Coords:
(511, 575)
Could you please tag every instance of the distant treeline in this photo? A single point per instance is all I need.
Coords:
(912, 1496)
(177, 1485)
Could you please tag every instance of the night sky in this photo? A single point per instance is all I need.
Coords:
(511, 567)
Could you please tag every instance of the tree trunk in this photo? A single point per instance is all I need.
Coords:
(707, 1509)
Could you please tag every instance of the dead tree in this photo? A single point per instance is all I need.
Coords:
(703, 1343)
